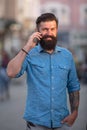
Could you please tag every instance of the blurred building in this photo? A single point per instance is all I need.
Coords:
(7, 16)
(19, 9)
(72, 17)
(27, 12)
(7, 9)
(15, 12)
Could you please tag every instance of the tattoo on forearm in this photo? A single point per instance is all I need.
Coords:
(74, 100)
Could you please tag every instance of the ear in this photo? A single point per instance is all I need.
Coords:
(57, 30)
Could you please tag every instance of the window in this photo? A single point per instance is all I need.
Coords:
(62, 11)
(53, 10)
(83, 14)
(64, 15)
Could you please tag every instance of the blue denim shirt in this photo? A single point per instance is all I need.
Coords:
(49, 78)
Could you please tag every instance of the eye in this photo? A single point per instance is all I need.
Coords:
(52, 29)
(44, 29)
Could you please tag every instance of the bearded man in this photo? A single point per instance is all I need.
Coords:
(50, 72)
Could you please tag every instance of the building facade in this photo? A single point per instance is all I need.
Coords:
(72, 17)
(8, 9)
(21, 11)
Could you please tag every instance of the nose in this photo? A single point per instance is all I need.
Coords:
(49, 32)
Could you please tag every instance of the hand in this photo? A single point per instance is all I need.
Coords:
(69, 120)
(32, 40)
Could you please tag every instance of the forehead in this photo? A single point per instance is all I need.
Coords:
(48, 24)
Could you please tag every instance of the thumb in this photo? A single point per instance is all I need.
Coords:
(64, 120)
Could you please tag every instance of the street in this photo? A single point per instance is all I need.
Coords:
(11, 111)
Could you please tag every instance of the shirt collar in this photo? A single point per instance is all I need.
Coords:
(57, 49)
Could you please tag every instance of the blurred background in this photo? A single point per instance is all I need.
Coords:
(17, 22)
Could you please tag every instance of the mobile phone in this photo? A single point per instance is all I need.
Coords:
(36, 40)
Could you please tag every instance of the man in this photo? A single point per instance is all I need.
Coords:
(50, 72)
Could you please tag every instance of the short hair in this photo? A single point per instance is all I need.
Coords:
(46, 17)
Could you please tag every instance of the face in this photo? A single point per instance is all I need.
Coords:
(48, 30)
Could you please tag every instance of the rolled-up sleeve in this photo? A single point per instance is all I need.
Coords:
(23, 68)
(73, 81)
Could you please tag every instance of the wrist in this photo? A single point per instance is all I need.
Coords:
(24, 51)
(27, 48)
(75, 113)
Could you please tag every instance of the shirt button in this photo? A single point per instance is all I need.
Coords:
(52, 67)
(51, 110)
(52, 88)
(52, 99)
(52, 77)
(65, 67)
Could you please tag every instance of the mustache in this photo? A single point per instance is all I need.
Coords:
(48, 36)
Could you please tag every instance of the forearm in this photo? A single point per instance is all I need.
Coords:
(74, 101)
(15, 64)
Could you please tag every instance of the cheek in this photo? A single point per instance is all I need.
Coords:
(43, 34)
(55, 34)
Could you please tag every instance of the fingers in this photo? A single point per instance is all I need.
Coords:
(36, 36)
(33, 40)
(69, 120)
(65, 120)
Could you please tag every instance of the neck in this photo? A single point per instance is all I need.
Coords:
(49, 51)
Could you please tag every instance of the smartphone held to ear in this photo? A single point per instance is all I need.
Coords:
(37, 37)
(36, 40)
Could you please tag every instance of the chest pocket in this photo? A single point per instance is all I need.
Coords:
(62, 71)
(38, 65)
(37, 68)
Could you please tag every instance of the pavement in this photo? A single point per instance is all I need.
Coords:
(12, 109)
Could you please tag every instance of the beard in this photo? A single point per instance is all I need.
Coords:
(48, 44)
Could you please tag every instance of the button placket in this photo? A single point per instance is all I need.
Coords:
(52, 90)
(52, 63)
